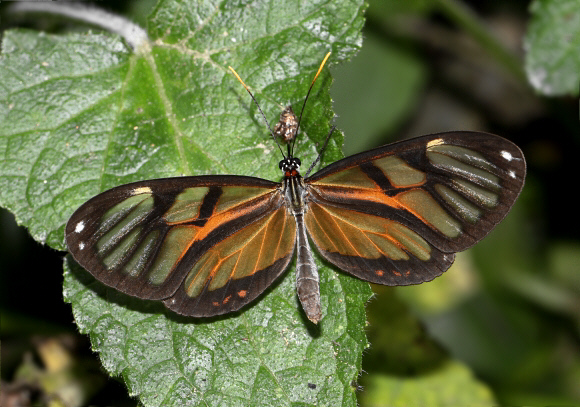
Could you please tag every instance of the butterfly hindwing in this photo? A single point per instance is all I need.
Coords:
(238, 268)
(374, 248)
(156, 239)
(396, 215)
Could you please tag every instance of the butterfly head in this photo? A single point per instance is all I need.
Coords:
(290, 166)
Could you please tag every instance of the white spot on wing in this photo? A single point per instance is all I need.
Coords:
(507, 155)
(81, 245)
(80, 226)
(142, 190)
(512, 174)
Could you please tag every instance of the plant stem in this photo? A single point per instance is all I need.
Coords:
(132, 33)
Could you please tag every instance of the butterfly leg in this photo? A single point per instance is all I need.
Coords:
(307, 280)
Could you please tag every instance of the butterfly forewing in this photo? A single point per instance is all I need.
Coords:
(395, 215)
(187, 240)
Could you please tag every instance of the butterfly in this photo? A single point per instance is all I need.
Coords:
(209, 245)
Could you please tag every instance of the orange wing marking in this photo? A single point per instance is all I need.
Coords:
(341, 193)
(324, 231)
(386, 237)
(415, 201)
(219, 219)
(363, 232)
(242, 254)
(344, 234)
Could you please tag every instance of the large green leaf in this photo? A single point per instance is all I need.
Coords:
(81, 113)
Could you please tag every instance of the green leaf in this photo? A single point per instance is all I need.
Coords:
(58, 107)
(552, 43)
(266, 355)
(453, 385)
(81, 114)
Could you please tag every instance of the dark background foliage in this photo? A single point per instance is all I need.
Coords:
(508, 313)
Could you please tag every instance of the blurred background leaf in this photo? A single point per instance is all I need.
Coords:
(552, 42)
(450, 385)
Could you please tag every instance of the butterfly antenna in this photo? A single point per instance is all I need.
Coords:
(320, 154)
(259, 108)
(308, 94)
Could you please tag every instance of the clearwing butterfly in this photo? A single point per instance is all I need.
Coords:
(208, 245)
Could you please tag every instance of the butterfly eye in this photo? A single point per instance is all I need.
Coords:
(289, 164)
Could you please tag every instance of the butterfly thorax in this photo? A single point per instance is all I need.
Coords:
(294, 187)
